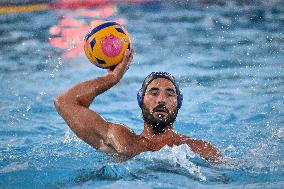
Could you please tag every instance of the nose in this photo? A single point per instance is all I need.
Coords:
(161, 103)
(161, 99)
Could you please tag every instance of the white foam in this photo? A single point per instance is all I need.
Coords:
(177, 156)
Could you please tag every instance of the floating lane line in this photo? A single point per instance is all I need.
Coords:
(47, 6)
(23, 8)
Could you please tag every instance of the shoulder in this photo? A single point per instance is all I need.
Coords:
(199, 145)
(192, 142)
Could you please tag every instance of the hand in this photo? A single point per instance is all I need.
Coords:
(118, 71)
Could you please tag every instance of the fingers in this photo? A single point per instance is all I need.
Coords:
(119, 70)
(127, 59)
(128, 56)
(131, 54)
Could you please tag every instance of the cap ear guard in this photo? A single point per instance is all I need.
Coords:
(180, 99)
(140, 98)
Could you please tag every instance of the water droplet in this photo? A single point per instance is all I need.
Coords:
(28, 108)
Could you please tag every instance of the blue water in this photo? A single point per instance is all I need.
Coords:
(228, 59)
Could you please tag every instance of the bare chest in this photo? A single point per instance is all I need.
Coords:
(155, 145)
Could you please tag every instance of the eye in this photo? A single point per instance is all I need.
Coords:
(154, 92)
(170, 93)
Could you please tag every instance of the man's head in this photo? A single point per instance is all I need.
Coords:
(160, 99)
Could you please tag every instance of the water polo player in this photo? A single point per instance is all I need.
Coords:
(159, 99)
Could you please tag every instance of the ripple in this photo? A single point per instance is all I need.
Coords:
(15, 166)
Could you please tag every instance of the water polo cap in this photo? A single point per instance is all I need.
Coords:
(150, 78)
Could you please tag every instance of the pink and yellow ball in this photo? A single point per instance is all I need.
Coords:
(106, 44)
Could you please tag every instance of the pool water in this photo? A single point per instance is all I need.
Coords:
(227, 57)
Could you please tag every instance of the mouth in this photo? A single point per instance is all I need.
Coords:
(160, 111)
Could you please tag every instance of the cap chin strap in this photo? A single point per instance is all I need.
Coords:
(149, 79)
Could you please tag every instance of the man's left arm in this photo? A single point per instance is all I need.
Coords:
(205, 150)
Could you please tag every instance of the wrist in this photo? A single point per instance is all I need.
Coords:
(112, 78)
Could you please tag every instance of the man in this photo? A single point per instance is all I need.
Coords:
(159, 98)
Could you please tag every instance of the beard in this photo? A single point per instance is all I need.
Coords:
(161, 123)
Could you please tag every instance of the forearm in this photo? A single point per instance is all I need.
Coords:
(84, 93)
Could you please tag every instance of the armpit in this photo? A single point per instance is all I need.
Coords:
(107, 148)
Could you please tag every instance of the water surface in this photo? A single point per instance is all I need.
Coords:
(228, 59)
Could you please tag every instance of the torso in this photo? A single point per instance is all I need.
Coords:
(127, 144)
(156, 144)
(203, 148)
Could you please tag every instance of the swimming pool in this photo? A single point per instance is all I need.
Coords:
(228, 59)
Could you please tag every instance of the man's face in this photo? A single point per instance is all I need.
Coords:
(160, 104)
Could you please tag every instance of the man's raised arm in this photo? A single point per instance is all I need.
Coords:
(87, 124)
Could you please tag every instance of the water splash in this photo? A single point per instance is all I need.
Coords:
(176, 156)
(266, 155)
